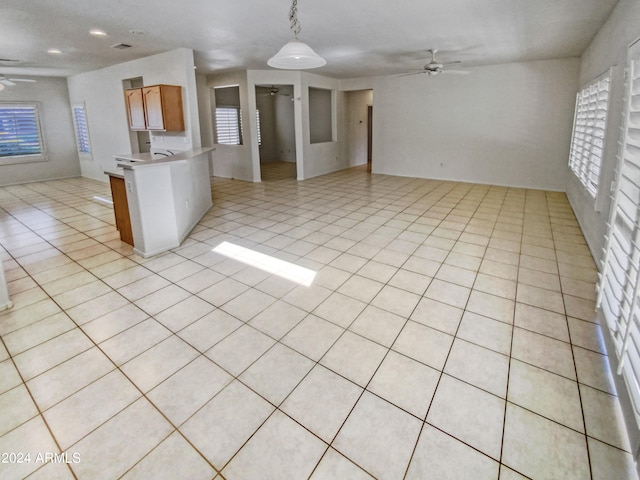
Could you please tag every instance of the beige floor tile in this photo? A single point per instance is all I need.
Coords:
(322, 401)
(184, 313)
(87, 409)
(406, 383)
(491, 306)
(278, 319)
(541, 298)
(67, 378)
(159, 362)
(541, 448)
(143, 287)
(586, 334)
(361, 288)
(185, 392)
(507, 474)
(221, 292)
(16, 408)
(354, 357)
(240, 349)
(248, 304)
(603, 417)
(437, 315)
(9, 377)
(51, 353)
(224, 424)
(276, 373)
(161, 462)
(422, 266)
(580, 308)
(209, 330)
(334, 466)
(312, 337)
(543, 352)
(478, 366)
(546, 394)
(609, 462)
(378, 325)
(395, 300)
(594, 370)
(199, 281)
(287, 450)
(439, 455)
(339, 309)
(53, 471)
(307, 298)
(456, 275)
(378, 437)
(37, 333)
(423, 344)
(449, 293)
(31, 438)
(123, 347)
(469, 414)
(486, 332)
(117, 445)
(541, 321)
(115, 322)
(493, 285)
(377, 271)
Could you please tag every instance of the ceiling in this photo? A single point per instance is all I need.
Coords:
(357, 37)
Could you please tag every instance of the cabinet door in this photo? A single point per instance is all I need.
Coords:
(153, 107)
(135, 109)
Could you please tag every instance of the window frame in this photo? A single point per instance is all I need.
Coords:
(29, 158)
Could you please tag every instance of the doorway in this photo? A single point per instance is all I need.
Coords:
(276, 132)
(369, 135)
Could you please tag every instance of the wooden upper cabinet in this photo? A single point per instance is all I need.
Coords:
(161, 108)
(135, 109)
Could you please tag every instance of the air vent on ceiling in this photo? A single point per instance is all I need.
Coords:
(121, 46)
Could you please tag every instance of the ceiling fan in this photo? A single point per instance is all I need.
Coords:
(273, 91)
(434, 67)
(10, 82)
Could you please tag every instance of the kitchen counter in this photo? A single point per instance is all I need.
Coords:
(166, 196)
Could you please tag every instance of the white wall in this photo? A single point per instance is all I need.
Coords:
(57, 129)
(266, 104)
(354, 139)
(501, 125)
(607, 50)
(204, 111)
(102, 92)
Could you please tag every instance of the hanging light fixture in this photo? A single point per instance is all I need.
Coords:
(296, 55)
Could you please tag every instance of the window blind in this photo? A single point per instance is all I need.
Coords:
(619, 282)
(258, 127)
(589, 128)
(19, 130)
(82, 129)
(228, 127)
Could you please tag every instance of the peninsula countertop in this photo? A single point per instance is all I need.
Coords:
(130, 160)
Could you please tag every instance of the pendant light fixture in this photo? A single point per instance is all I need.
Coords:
(296, 55)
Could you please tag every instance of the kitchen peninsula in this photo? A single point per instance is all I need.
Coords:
(158, 199)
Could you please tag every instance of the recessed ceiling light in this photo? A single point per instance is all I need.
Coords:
(97, 33)
(54, 51)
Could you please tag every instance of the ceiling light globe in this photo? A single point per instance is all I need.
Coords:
(296, 55)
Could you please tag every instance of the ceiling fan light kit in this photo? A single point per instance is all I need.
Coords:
(295, 54)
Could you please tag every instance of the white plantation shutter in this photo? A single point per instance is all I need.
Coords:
(82, 129)
(619, 282)
(228, 126)
(589, 128)
(20, 134)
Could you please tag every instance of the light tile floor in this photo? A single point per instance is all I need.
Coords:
(449, 333)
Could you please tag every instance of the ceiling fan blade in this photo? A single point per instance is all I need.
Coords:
(451, 63)
(29, 80)
(457, 72)
(6, 81)
(412, 73)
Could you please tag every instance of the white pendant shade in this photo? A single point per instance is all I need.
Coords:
(296, 55)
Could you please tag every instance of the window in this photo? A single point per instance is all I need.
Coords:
(589, 126)
(228, 126)
(619, 282)
(20, 134)
(82, 129)
(258, 126)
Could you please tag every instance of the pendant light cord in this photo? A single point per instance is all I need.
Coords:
(293, 18)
